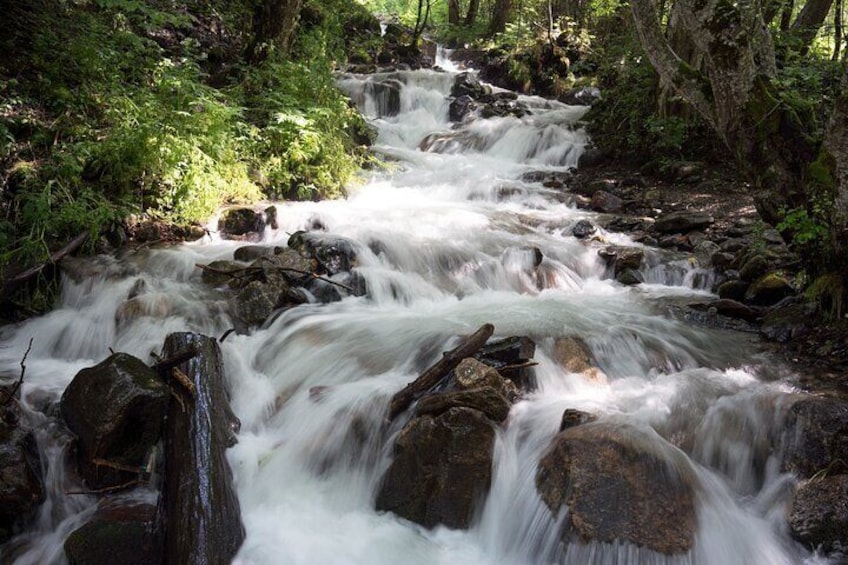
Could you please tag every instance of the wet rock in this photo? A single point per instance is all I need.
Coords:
(271, 217)
(815, 435)
(721, 260)
(386, 95)
(296, 266)
(787, 323)
(504, 107)
(486, 399)
(237, 222)
(248, 253)
(606, 202)
(733, 290)
(729, 308)
(21, 484)
(704, 251)
(754, 268)
(218, 273)
(620, 483)
(334, 254)
(581, 96)
(583, 229)
(467, 84)
(630, 277)
(461, 107)
(442, 469)
(573, 417)
(768, 290)
(473, 374)
(819, 514)
(122, 531)
(116, 409)
(158, 305)
(591, 157)
(510, 357)
(323, 291)
(255, 303)
(682, 221)
(572, 354)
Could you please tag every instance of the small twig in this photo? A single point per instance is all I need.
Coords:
(163, 366)
(515, 366)
(226, 335)
(129, 484)
(116, 466)
(184, 381)
(16, 388)
(179, 399)
(242, 272)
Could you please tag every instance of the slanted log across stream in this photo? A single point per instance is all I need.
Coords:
(203, 519)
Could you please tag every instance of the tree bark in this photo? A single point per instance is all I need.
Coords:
(453, 12)
(834, 155)
(273, 27)
(471, 15)
(809, 21)
(500, 16)
(202, 515)
(837, 30)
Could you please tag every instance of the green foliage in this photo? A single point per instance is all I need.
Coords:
(113, 111)
(805, 229)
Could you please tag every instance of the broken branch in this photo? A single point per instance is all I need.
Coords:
(431, 377)
(16, 388)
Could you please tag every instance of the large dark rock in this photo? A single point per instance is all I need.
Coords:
(768, 290)
(619, 483)
(815, 435)
(122, 530)
(511, 357)
(467, 84)
(220, 272)
(682, 221)
(21, 484)
(203, 517)
(733, 290)
(486, 399)
(583, 229)
(784, 324)
(256, 302)
(116, 409)
(442, 468)
(461, 107)
(387, 96)
(333, 254)
(606, 202)
(581, 96)
(819, 514)
(238, 222)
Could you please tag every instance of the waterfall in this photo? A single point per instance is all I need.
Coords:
(447, 237)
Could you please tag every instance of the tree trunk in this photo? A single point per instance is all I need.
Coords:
(833, 159)
(500, 16)
(471, 15)
(203, 520)
(837, 30)
(809, 21)
(453, 12)
(273, 27)
(786, 15)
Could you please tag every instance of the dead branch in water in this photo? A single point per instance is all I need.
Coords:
(241, 273)
(17, 387)
(431, 377)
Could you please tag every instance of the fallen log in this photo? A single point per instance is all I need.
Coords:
(201, 511)
(431, 377)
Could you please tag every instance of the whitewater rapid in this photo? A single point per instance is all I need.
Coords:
(442, 243)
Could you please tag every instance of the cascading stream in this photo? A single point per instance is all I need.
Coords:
(444, 240)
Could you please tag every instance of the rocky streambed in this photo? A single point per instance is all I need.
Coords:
(480, 355)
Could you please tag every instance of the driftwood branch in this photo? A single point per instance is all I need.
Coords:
(226, 335)
(240, 273)
(11, 394)
(431, 377)
(106, 490)
(184, 381)
(54, 258)
(164, 366)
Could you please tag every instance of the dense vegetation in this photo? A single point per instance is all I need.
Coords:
(117, 107)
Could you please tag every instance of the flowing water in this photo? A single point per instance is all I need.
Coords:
(444, 244)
